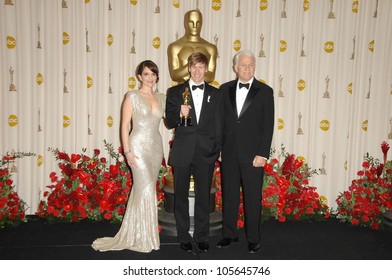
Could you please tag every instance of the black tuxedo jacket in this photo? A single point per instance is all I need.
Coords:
(247, 133)
(203, 137)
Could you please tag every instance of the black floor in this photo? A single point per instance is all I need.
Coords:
(328, 240)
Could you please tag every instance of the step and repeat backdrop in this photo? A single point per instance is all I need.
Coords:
(66, 65)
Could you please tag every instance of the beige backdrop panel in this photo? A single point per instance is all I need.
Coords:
(67, 64)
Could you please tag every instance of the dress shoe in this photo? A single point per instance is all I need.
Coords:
(186, 247)
(254, 247)
(225, 242)
(203, 246)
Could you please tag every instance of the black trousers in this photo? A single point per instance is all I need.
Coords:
(202, 174)
(235, 175)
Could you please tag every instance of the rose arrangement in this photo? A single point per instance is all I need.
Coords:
(91, 188)
(370, 195)
(88, 187)
(12, 208)
(286, 193)
(161, 182)
(219, 200)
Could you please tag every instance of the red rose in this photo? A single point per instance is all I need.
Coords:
(355, 221)
(282, 219)
(3, 202)
(67, 206)
(309, 210)
(161, 196)
(121, 210)
(120, 199)
(75, 158)
(375, 225)
(114, 170)
(365, 218)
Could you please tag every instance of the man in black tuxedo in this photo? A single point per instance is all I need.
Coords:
(194, 151)
(248, 124)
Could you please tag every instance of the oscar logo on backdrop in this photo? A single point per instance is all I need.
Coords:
(353, 54)
(65, 88)
(133, 50)
(283, 14)
(89, 132)
(239, 9)
(323, 170)
(299, 130)
(179, 50)
(302, 47)
(281, 93)
(39, 120)
(370, 85)
(110, 83)
(39, 41)
(390, 129)
(157, 8)
(326, 92)
(331, 14)
(261, 52)
(12, 86)
(87, 45)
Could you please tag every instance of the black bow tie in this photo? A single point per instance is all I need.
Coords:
(201, 86)
(244, 85)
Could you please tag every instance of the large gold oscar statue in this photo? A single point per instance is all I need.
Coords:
(179, 50)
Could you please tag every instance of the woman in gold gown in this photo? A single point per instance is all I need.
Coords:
(141, 115)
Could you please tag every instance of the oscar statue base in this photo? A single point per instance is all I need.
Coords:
(166, 216)
(186, 121)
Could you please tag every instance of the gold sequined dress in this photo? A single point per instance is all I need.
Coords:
(139, 228)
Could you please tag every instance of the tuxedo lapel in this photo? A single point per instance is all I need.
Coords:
(232, 95)
(248, 100)
(206, 100)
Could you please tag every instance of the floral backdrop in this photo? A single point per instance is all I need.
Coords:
(96, 188)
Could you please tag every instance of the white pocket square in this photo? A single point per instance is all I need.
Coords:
(208, 99)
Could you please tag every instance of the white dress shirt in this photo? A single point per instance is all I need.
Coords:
(241, 95)
(197, 96)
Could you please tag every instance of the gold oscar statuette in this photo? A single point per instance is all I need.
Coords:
(179, 50)
(186, 119)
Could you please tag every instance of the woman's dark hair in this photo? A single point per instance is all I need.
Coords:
(150, 65)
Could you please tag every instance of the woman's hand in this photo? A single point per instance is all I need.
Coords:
(131, 159)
